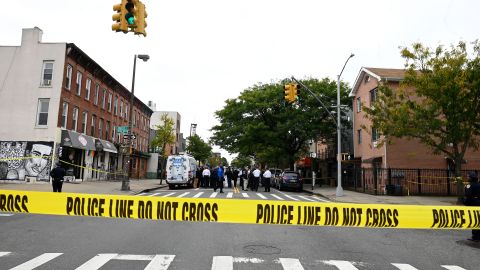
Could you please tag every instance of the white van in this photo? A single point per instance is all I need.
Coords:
(181, 170)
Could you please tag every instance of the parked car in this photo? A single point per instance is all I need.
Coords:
(275, 175)
(290, 179)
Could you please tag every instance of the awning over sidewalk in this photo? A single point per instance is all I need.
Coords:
(77, 140)
(102, 145)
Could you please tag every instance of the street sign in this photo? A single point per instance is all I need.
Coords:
(122, 129)
(127, 136)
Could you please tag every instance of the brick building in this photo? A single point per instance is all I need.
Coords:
(64, 105)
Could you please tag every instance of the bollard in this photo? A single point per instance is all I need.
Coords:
(313, 179)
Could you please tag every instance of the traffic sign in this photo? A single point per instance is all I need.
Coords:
(128, 136)
(122, 129)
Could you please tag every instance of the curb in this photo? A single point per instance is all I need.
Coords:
(318, 194)
(150, 189)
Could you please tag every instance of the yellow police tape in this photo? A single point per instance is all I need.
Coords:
(242, 211)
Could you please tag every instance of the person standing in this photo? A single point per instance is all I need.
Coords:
(220, 178)
(229, 176)
(57, 174)
(267, 175)
(205, 177)
(256, 178)
(235, 177)
(240, 175)
(472, 198)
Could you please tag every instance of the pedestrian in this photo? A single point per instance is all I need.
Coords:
(220, 178)
(472, 198)
(214, 178)
(229, 176)
(198, 178)
(205, 177)
(57, 175)
(240, 175)
(235, 177)
(256, 178)
(267, 175)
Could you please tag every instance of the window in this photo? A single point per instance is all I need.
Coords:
(42, 112)
(87, 89)
(367, 79)
(104, 97)
(375, 135)
(92, 126)
(84, 122)
(74, 118)
(359, 105)
(107, 130)
(126, 111)
(134, 118)
(114, 132)
(64, 115)
(68, 79)
(115, 105)
(109, 102)
(373, 96)
(47, 73)
(121, 108)
(79, 83)
(95, 97)
(100, 128)
(359, 136)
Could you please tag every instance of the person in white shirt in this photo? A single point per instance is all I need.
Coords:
(256, 179)
(267, 175)
(205, 177)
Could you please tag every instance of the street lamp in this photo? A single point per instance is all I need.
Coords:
(128, 158)
(339, 135)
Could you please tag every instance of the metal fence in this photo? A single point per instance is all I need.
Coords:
(390, 181)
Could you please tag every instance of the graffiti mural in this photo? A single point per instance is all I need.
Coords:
(19, 159)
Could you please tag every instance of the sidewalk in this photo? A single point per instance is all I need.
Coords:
(138, 186)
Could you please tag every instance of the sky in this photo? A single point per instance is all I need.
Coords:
(204, 52)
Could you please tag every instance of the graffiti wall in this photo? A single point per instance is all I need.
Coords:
(21, 159)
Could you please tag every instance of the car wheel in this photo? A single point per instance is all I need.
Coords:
(171, 186)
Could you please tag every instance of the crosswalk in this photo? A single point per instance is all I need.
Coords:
(235, 194)
(164, 262)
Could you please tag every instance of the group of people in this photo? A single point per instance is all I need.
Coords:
(249, 178)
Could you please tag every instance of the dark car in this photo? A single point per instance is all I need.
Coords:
(275, 175)
(290, 179)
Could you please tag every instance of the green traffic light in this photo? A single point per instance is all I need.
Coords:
(130, 18)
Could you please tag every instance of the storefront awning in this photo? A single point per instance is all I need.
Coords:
(102, 145)
(77, 140)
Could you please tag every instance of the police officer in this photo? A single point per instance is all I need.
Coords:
(472, 198)
(57, 174)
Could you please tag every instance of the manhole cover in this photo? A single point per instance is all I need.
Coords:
(262, 249)
(469, 243)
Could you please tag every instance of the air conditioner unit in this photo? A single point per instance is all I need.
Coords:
(375, 143)
(47, 82)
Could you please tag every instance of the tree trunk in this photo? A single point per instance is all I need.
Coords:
(459, 180)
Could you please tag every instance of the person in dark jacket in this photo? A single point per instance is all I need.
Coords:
(57, 175)
(472, 198)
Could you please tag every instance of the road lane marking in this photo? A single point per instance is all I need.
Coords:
(36, 262)
(319, 199)
(291, 264)
(290, 197)
(197, 188)
(214, 194)
(160, 262)
(97, 261)
(247, 260)
(184, 194)
(5, 215)
(155, 194)
(4, 253)
(305, 198)
(453, 267)
(157, 262)
(169, 194)
(198, 194)
(403, 266)
(222, 263)
(229, 194)
(278, 197)
(261, 196)
(341, 265)
(245, 195)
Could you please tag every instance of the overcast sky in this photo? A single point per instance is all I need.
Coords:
(203, 52)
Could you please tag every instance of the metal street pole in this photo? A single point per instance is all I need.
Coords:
(339, 191)
(127, 162)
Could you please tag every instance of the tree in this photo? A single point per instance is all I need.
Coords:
(198, 148)
(224, 161)
(438, 102)
(260, 123)
(164, 134)
(241, 161)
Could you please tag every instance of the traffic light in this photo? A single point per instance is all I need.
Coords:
(121, 24)
(131, 6)
(288, 92)
(140, 15)
(295, 91)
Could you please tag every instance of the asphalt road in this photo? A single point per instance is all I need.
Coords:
(58, 242)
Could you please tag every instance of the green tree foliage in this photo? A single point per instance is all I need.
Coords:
(438, 102)
(260, 123)
(198, 148)
(164, 134)
(224, 161)
(241, 161)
